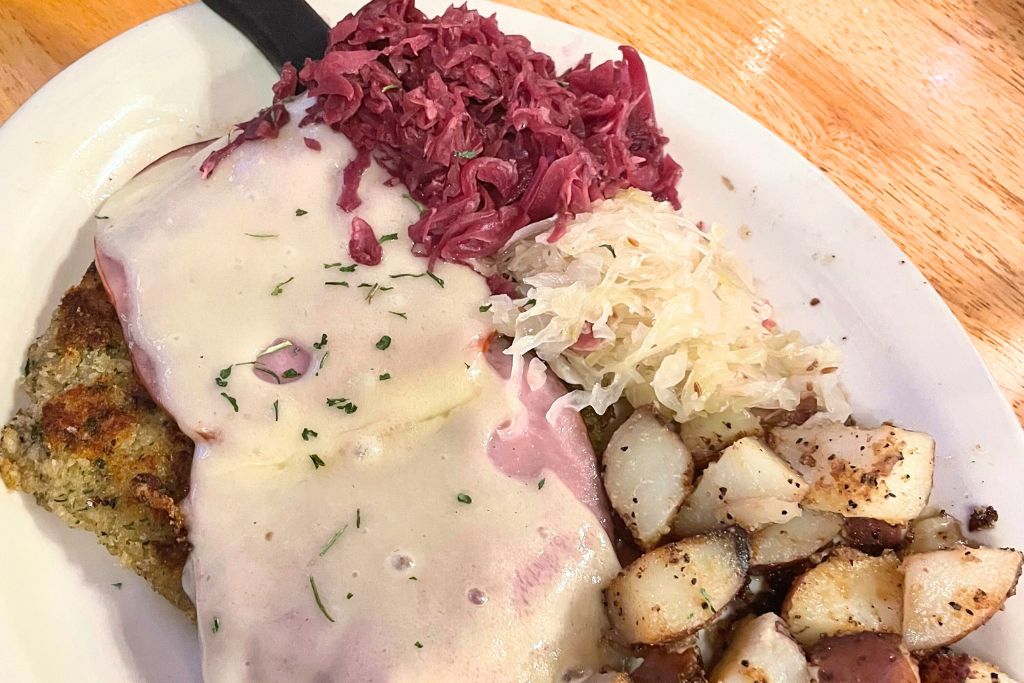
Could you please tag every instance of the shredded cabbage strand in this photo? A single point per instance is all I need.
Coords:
(635, 300)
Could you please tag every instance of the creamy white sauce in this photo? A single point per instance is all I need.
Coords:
(420, 586)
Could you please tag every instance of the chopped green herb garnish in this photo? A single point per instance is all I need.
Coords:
(359, 518)
(216, 625)
(342, 404)
(374, 288)
(102, 218)
(464, 498)
(301, 212)
(707, 600)
(337, 283)
(388, 87)
(609, 248)
(383, 343)
(222, 377)
(279, 287)
(384, 377)
(322, 343)
(316, 596)
(291, 373)
(389, 237)
(413, 578)
(467, 154)
(349, 596)
(334, 539)
(320, 365)
(317, 461)
(530, 302)
(484, 309)
(344, 269)
(308, 434)
(231, 400)
(540, 484)
(419, 207)
(276, 407)
(401, 315)
(117, 585)
(418, 644)
(433, 277)
(262, 236)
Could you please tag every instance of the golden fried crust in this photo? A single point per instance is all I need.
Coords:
(93, 447)
(86, 319)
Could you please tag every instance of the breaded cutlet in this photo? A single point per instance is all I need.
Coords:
(94, 449)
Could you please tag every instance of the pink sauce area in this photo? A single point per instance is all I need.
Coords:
(536, 442)
(283, 365)
(534, 577)
(115, 281)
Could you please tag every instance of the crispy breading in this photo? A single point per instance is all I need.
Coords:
(93, 448)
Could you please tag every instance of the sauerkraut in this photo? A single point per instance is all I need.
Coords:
(635, 300)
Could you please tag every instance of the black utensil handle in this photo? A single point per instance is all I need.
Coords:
(283, 30)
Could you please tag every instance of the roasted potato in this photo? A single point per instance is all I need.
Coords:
(748, 485)
(675, 590)
(848, 593)
(862, 658)
(663, 666)
(706, 435)
(799, 538)
(946, 666)
(949, 593)
(939, 532)
(883, 473)
(762, 651)
(873, 535)
(647, 474)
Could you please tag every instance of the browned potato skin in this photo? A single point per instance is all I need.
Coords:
(626, 548)
(662, 666)
(873, 535)
(862, 658)
(945, 666)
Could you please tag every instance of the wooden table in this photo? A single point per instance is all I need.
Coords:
(914, 107)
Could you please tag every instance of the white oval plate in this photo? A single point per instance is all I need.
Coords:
(186, 76)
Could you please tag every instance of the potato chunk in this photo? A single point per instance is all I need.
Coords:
(862, 658)
(883, 473)
(647, 474)
(848, 593)
(706, 435)
(940, 532)
(677, 589)
(946, 666)
(748, 485)
(762, 650)
(797, 539)
(949, 593)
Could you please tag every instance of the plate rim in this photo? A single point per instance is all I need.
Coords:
(51, 93)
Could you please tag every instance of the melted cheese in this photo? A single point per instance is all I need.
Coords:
(415, 585)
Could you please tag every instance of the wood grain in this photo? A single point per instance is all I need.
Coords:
(914, 107)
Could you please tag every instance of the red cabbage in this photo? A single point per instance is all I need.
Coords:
(363, 246)
(478, 125)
